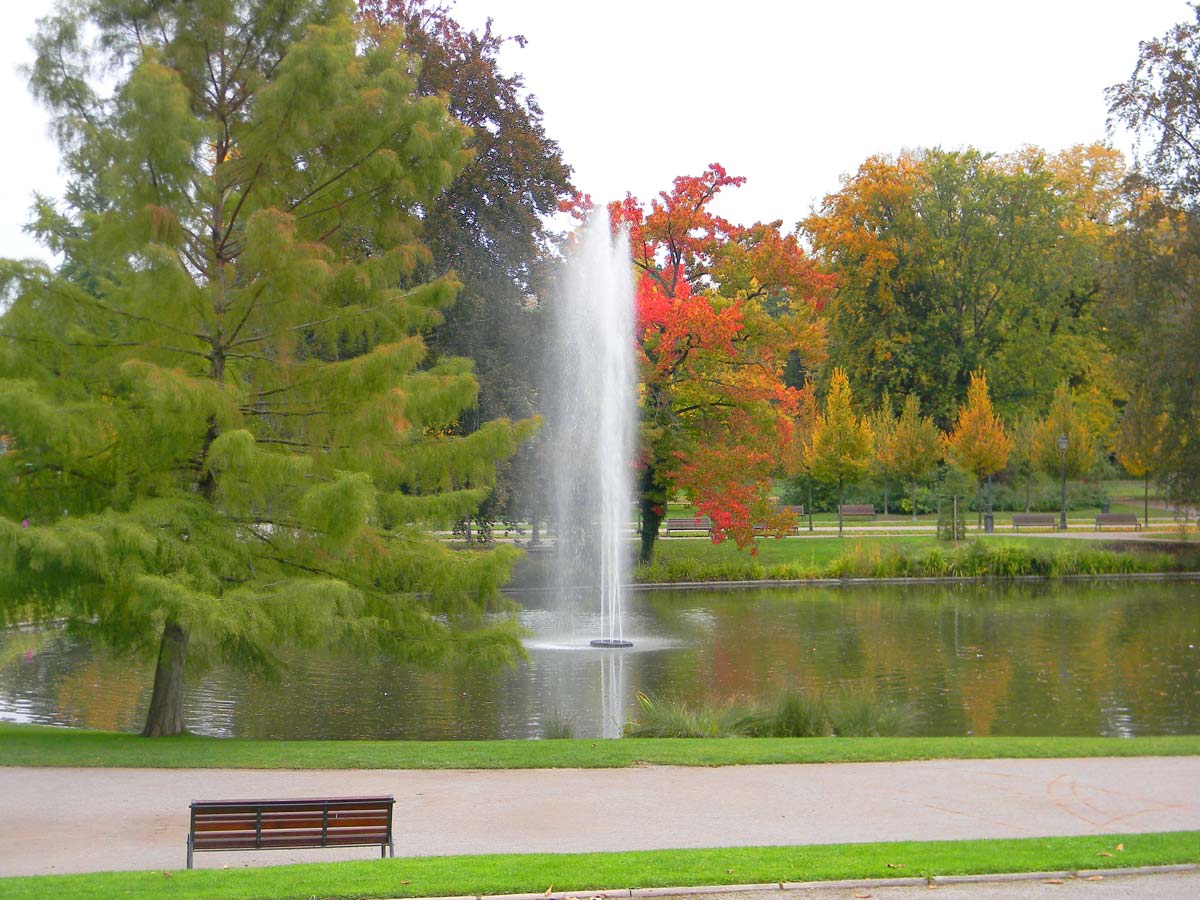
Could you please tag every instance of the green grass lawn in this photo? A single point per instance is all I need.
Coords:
(555, 873)
(34, 745)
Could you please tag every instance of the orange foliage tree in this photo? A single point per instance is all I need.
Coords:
(720, 310)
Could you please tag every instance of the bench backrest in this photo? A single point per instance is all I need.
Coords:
(695, 523)
(280, 824)
(1117, 519)
(1033, 518)
(857, 509)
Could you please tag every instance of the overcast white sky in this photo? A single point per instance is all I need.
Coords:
(791, 94)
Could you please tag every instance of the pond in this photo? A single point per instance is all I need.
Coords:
(1103, 658)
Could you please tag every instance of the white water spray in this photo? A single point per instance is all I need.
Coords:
(593, 429)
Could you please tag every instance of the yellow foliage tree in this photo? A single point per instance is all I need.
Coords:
(841, 446)
(978, 442)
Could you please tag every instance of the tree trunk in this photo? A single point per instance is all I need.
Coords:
(979, 504)
(915, 501)
(885, 495)
(1146, 499)
(165, 716)
(652, 514)
(1028, 490)
(810, 509)
(841, 496)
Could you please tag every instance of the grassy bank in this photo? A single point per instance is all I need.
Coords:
(906, 556)
(555, 873)
(32, 745)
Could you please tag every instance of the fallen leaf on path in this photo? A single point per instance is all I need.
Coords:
(863, 896)
(1094, 878)
(406, 882)
(1053, 881)
(895, 865)
(166, 874)
(1104, 853)
(548, 891)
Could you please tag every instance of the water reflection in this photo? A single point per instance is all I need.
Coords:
(1102, 659)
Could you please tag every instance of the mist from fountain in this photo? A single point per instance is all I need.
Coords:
(592, 432)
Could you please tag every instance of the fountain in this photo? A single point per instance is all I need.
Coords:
(592, 383)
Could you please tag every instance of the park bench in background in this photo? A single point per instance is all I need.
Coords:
(856, 509)
(1124, 520)
(1034, 520)
(291, 824)
(692, 523)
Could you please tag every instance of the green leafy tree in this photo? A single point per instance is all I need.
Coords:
(1021, 464)
(226, 436)
(1140, 444)
(952, 261)
(918, 446)
(978, 442)
(841, 445)
(1064, 417)
(1155, 308)
(883, 430)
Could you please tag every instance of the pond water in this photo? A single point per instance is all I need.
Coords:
(1106, 658)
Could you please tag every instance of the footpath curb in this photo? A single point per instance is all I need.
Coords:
(909, 881)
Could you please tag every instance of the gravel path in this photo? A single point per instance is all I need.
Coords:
(47, 815)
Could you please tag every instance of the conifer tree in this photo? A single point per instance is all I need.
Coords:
(978, 442)
(840, 450)
(224, 437)
(917, 445)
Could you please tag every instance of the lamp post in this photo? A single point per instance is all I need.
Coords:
(1062, 454)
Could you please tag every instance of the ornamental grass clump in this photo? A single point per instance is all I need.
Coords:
(673, 717)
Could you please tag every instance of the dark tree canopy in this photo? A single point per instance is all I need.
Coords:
(489, 225)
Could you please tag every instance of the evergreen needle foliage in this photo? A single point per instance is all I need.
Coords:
(223, 435)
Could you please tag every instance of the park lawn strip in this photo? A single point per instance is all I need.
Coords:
(906, 555)
(37, 745)
(456, 876)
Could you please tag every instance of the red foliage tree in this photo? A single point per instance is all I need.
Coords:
(721, 308)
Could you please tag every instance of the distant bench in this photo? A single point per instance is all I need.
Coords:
(692, 523)
(856, 509)
(1034, 520)
(795, 510)
(291, 824)
(1123, 520)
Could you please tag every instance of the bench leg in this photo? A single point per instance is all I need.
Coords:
(189, 851)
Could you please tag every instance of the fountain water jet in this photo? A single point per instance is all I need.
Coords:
(592, 382)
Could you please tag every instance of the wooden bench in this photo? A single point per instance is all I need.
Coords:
(856, 509)
(1035, 520)
(694, 523)
(291, 824)
(1123, 520)
(797, 511)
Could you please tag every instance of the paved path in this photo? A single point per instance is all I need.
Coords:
(47, 815)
